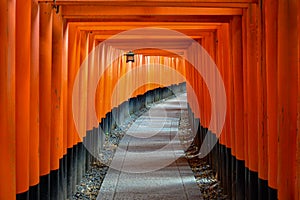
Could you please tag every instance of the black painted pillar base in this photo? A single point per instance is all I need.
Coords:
(240, 179)
(79, 162)
(272, 194)
(63, 177)
(54, 184)
(34, 192)
(214, 152)
(233, 177)
(228, 172)
(252, 185)
(224, 178)
(45, 187)
(246, 182)
(74, 171)
(262, 189)
(23, 196)
(69, 172)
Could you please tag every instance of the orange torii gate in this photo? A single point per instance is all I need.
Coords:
(254, 43)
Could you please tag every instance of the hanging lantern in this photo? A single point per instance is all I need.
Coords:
(130, 57)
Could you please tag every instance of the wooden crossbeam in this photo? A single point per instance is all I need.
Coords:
(213, 3)
(87, 11)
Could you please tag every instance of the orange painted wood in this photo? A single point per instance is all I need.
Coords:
(83, 84)
(212, 80)
(108, 84)
(7, 100)
(139, 78)
(207, 101)
(154, 18)
(34, 170)
(93, 73)
(227, 82)
(231, 94)
(297, 196)
(45, 63)
(189, 75)
(89, 45)
(23, 27)
(72, 37)
(90, 78)
(200, 88)
(86, 11)
(92, 42)
(103, 29)
(261, 95)
(287, 97)
(76, 138)
(65, 87)
(150, 2)
(56, 129)
(220, 64)
(143, 62)
(270, 8)
(252, 89)
(197, 85)
(245, 86)
(99, 100)
(237, 66)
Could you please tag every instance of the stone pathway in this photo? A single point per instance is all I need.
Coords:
(149, 162)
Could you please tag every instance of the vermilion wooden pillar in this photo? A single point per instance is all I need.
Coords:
(231, 109)
(71, 76)
(65, 106)
(56, 91)
(298, 132)
(7, 100)
(288, 62)
(229, 95)
(65, 86)
(222, 140)
(77, 109)
(246, 98)
(227, 82)
(56, 130)
(252, 62)
(270, 10)
(34, 170)
(45, 64)
(262, 108)
(219, 62)
(83, 83)
(92, 75)
(23, 21)
(211, 49)
(212, 53)
(77, 60)
(237, 65)
(83, 90)
(99, 98)
(72, 38)
(232, 156)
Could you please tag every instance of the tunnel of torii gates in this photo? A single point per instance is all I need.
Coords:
(254, 43)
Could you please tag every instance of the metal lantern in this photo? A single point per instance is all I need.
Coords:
(130, 57)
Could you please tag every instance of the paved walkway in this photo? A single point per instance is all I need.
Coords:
(149, 162)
